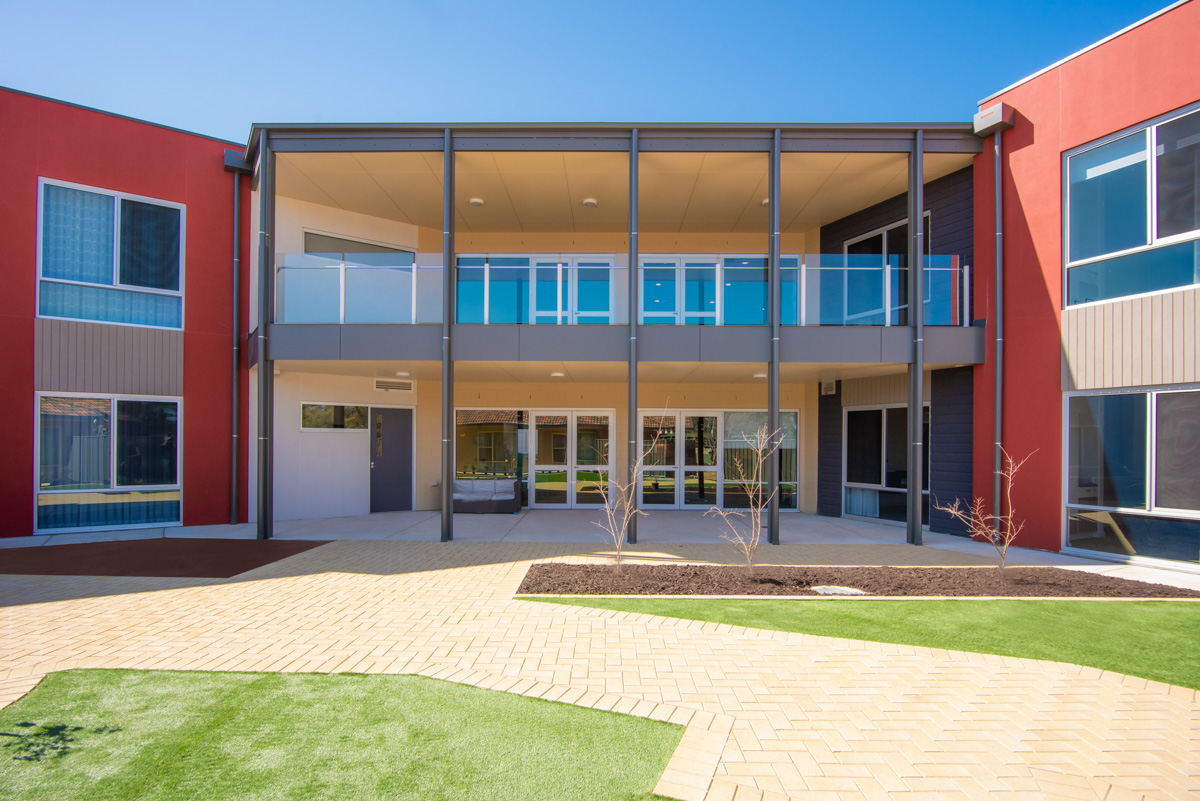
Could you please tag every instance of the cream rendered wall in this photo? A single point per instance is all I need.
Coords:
(294, 217)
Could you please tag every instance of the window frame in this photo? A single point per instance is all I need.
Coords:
(927, 292)
(1150, 126)
(118, 198)
(882, 487)
(1150, 508)
(113, 487)
(307, 430)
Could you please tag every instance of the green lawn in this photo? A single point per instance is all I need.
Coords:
(157, 735)
(1152, 639)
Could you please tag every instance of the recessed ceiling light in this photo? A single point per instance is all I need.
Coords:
(557, 375)
(403, 374)
(760, 375)
(475, 201)
(590, 202)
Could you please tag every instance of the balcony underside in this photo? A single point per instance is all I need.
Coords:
(810, 344)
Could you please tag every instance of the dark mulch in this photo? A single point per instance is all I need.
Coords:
(162, 557)
(565, 579)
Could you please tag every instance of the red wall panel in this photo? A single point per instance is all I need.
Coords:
(1145, 72)
(44, 138)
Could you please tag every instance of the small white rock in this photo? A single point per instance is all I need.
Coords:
(829, 589)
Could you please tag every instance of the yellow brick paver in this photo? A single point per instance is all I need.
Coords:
(769, 715)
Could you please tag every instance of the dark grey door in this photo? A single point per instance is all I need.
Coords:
(391, 460)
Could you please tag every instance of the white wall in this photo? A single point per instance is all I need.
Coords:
(324, 473)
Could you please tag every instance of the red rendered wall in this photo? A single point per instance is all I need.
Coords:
(43, 138)
(1137, 76)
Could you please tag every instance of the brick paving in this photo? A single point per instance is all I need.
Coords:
(769, 715)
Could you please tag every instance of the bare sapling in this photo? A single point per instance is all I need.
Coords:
(620, 505)
(743, 527)
(1000, 530)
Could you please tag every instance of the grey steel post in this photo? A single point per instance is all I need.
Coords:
(237, 341)
(916, 316)
(449, 283)
(266, 367)
(632, 420)
(773, 290)
(998, 423)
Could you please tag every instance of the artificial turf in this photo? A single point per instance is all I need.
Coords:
(159, 735)
(1151, 639)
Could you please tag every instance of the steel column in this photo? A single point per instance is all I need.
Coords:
(634, 285)
(916, 319)
(448, 286)
(266, 313)
(773, 306)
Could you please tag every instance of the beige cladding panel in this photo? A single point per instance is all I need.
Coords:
(1134, 342)
(880, 389)
(76, 356)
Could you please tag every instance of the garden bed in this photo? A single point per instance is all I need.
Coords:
(1035, 582)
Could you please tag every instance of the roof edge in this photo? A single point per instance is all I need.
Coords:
(82, 107)
(1079, 53)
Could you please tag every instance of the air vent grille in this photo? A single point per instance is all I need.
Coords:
(393, 385)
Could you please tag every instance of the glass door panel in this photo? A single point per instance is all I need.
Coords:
(658, 440)
(658, 488)
(590, 486)
(700, 293)
(549, 294)
(700, 441)
(591, 458)
(659, 301)
(550, 487)
(570, 458)
(508, 290)
(700, 488)
(593, 292)
(550, 446)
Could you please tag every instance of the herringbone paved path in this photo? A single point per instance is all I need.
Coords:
(788, 715)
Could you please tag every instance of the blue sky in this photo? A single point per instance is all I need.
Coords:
(216, 67)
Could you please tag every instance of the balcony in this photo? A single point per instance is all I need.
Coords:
(591, 289)
(371, 288)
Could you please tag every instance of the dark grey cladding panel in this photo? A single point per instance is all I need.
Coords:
(735, 343)
(669, 343)
(896, 344)
(829, 453)
(392, 342)
(296, 341)
(592, 343)
(486, 343)
(955, 345)
(951, 410)
(832, 344)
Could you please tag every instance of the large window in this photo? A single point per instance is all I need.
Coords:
(876, 482)
(1132, 464)
(109, 257)
(1133, 212)
(107, 462)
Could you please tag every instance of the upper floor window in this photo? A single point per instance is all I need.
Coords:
(1133, 212)
(109, 257)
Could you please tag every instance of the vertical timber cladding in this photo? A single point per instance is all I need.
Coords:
(949, 201)
(829, 453)
(950, 440)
